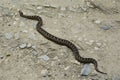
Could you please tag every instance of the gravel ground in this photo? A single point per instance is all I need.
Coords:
(92, 25)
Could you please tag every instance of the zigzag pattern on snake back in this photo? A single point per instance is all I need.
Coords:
(61, 41)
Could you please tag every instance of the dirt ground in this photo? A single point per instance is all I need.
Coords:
(92, 25)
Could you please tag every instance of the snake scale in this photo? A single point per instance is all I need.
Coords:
(61, 41)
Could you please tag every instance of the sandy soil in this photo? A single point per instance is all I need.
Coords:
(92, 25)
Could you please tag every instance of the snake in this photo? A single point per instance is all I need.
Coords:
(61, 41)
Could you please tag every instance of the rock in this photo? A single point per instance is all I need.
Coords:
(22, 46)
(44, 57)
(44, 72)
(85, 70)
(8, 35)
(105, 27)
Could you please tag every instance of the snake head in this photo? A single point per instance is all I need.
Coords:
(21, 13)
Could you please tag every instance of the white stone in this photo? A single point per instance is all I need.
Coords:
(96, 48)
(22, 46)
(44, 57)
(97, 21)
(39, 7)
(85, 70)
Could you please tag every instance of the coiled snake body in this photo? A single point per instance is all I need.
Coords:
(61, 41)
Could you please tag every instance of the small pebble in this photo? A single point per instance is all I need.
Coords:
(8, 35)
(85, 70)
(66, 68)
(44, 57)
(105, 27)
(97, 21)
(22, 46)
(96, 48)
(44, 72)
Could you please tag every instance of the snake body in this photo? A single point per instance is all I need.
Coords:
(61, 41)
